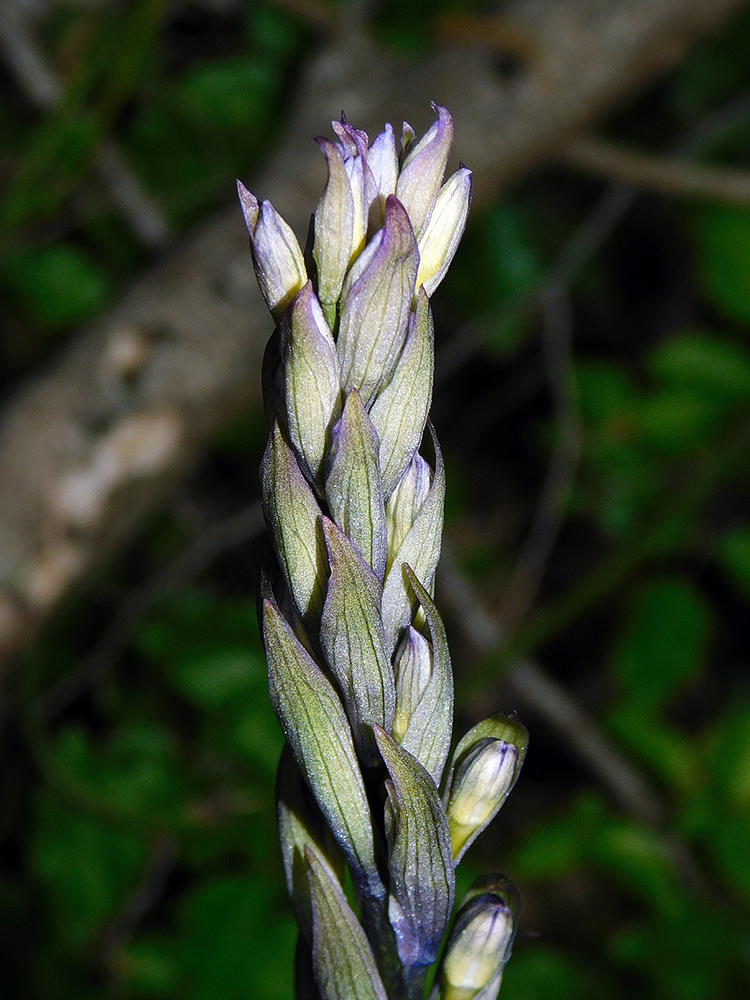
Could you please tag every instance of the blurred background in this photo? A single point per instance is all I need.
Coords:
(593, 403)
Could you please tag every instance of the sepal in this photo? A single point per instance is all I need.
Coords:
(419, 859)
(353, 486)
(420, 548)
(293, 515)
(423, 168)
(430, 725)
(311, 376)
(439, 240)
(277, 258)
(316, 728)
(351, 634)
(334, 229)
(301, 825)
(399, 413)
(375, 303)
(343, 961)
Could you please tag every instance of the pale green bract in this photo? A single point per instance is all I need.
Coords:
(359, 671)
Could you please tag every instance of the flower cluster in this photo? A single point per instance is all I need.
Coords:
(359, 671)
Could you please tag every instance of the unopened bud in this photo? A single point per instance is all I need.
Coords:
(480, 942)
(279, 265)
(481, 785)
(423, 168)
(484, 769)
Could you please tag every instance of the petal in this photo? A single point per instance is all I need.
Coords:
(440, 238)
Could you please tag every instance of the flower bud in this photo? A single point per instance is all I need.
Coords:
(278, 260)
(311, 377)
(439, 239)
(376, 301)
(423, 168)
(412, 669)
(480, 942)
(334, 229)
(484, 769)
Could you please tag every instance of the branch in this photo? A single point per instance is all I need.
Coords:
(679, 178)
(90, 448)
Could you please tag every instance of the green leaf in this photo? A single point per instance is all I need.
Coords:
(549, 974)
(639, 857)
(230, 948)
(664, 643)
(704, 362)
(734, 553)
(57, 285)
(722, 236)
(228, 94)
(562, 844)
(88, 869)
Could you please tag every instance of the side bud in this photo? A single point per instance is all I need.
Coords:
(484, 769)
(480, 942)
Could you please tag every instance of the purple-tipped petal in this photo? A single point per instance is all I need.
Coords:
(422, 170)
(383, 162)
(250, 207)
(354, 140)
(376, 299)
(279, 264)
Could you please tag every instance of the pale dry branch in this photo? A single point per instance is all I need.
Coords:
(665, 175)
(89, 448)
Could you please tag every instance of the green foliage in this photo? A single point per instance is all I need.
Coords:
(58, 285)
(722, 236)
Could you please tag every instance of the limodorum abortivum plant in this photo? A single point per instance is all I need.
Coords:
(373, 815)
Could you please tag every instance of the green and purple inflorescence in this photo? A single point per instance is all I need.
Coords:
(372, 822)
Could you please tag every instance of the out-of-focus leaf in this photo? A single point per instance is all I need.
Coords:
(542, 972)
(722, 237)
(561, 844)
(677, 420)
(664, 643)
(86, 867)
(693, 957)
(228, 94)
(57, 285)
(734, 552)
(704, 362)
(230, 948)
(639, 858)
